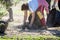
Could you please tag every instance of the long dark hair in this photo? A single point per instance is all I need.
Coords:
(24, 7)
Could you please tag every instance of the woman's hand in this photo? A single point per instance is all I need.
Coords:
(32, 19)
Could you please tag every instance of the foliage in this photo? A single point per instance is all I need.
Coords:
(3, 11)
(29, 37)
(8, 3)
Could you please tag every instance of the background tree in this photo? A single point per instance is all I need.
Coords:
(7, 4)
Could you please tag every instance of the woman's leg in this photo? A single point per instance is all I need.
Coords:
(43, 22)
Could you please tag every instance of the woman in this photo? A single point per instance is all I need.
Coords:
(43, 5)
(25, 8)
(39, 5)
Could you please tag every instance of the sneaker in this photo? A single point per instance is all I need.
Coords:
(23, 27)
(45, 28)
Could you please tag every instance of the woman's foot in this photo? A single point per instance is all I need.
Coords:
(24, 26)
(45, 27)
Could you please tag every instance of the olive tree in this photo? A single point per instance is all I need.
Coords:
(8, 4)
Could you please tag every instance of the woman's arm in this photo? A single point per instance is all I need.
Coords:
(25, 16)
(47, 10)
(32, 19)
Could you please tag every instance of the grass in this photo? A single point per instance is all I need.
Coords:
(29, 37)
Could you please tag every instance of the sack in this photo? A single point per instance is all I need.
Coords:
(57, 19)
(53, 18)
(3, 26)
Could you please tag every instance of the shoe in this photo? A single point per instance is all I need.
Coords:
(23, 27)
(45, 28)
(29, 27)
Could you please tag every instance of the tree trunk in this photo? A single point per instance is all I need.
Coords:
(10, 14)
(8, 5)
